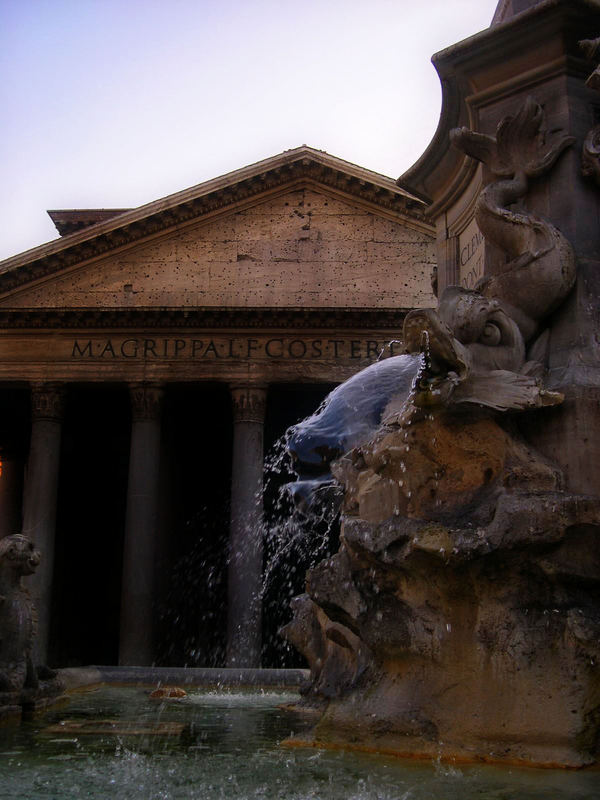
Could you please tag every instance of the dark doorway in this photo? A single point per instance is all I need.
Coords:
(15, 429)
(197, 444)
(90, 525)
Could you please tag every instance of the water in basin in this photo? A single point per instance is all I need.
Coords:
(232, 749)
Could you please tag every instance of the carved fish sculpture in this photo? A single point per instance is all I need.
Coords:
(541, 269)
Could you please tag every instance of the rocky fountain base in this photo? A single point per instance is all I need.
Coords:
(461, 615)
(468, 626)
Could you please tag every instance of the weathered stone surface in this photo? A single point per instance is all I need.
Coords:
(437, 467)
(336, 656)
(477, 642)
(302, 248)
(18, 557)
(485, 79)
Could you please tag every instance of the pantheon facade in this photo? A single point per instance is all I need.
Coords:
(150, 356)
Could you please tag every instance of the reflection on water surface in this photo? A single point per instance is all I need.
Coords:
(229, 749)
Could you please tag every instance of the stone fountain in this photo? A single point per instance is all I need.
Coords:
(24, 687)
(461, 616)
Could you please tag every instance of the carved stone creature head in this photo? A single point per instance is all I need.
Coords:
(474, 352)
(467, 333)
(18, 556)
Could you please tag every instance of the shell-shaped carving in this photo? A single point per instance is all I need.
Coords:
(520, 144)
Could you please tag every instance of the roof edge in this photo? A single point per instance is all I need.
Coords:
(215, 194)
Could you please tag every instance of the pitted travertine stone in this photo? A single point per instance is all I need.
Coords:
(303, 248)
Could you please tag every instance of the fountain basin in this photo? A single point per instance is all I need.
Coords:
(233, 750)
(76, 677)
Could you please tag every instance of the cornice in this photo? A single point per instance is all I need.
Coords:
(206, 199)
(202, 318)
(443, 173)
(68, 221)
(473, 73)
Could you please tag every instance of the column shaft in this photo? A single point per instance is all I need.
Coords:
(245, 538)
(39, 505)
(136, 645)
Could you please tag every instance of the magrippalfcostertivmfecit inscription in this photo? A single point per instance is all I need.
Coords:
(238, 348)
(173, 355)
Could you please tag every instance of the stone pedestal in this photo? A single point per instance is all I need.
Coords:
(39, 506)
(136, 643)
(531, 51)
(245, 539)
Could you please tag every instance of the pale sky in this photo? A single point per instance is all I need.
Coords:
(115, 103)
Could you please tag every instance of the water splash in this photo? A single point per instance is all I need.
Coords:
(296, 536)
(350, 415)
(303, 499)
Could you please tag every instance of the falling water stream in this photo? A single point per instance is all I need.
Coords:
(303, 500)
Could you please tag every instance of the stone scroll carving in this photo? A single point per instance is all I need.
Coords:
(249, 403)
(146, 401)
(47, 401)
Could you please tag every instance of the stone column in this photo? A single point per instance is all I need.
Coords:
(136, 643)
(245, 536)
(39, 502)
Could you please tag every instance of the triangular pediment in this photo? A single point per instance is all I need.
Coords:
(300, 230)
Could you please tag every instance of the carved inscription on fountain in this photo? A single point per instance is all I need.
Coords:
(470, 255)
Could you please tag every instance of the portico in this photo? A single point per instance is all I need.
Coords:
(149, 344)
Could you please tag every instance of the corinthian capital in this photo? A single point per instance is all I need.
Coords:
(249, 403)
(146, 400)
(47, 401)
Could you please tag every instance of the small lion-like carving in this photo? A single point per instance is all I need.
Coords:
(18, 557)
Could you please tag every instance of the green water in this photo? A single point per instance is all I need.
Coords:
(232, 751)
